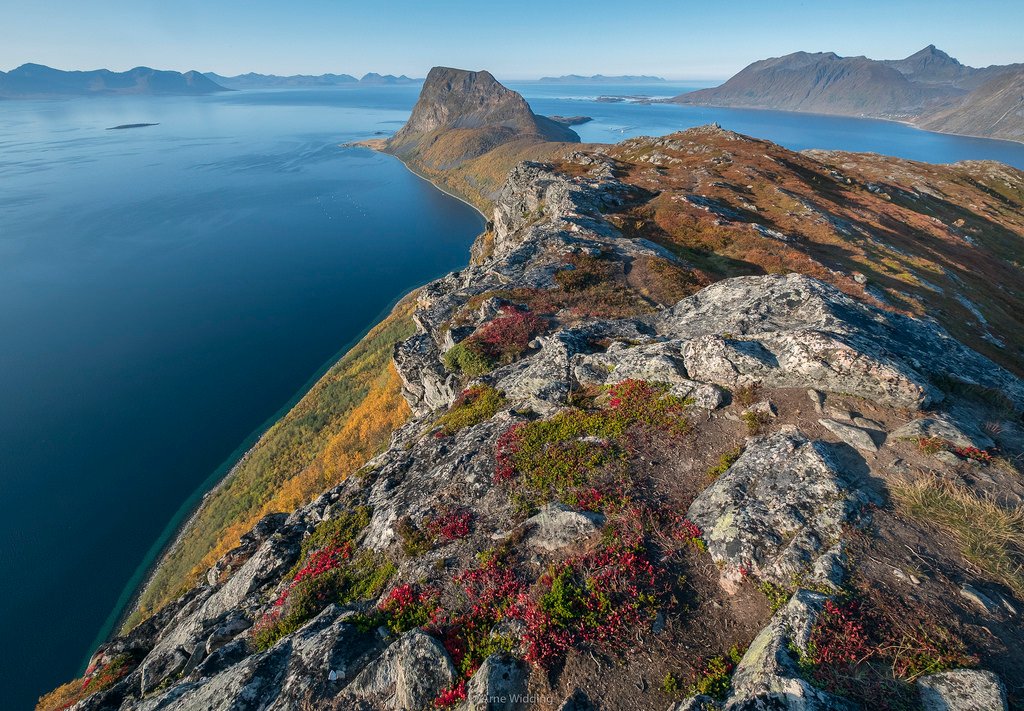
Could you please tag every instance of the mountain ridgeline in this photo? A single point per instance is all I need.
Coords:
(35, 81)
(929, 88)
(707, 424)
(273, 81)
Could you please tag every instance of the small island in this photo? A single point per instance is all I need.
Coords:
(124, 126)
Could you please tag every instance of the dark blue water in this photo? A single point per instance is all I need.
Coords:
(165, 290)
(616, 121)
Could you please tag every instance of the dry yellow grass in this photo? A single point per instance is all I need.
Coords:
(990, 536)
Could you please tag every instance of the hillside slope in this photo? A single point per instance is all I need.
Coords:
(710, 424)
(824, 83)
(929, 87)
(993, 110)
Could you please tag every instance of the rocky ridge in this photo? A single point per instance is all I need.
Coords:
(782, 514)
(633, 481)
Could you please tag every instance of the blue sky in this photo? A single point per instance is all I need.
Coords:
(516, 39)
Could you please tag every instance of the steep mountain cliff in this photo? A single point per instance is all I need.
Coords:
(708, 424)
(466, 123)
(929, 87)
(31, 81)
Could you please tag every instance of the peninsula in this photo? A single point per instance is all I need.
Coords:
(754, 409)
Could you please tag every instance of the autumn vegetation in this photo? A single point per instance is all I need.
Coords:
(346, 418)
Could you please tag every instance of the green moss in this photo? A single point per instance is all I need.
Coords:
(334, 532)
(362, 578)
(477, 404)
(415, 542)
(468, 359)
(724, 462)
(776, 594)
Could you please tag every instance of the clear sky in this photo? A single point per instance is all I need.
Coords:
(515, 39)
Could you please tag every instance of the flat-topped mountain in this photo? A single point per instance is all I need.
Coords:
(602, 79)
(463, 116)
(39, 81)
(927, 87)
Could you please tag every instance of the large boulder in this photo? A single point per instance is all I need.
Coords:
(656, 362)
(498, 685)
(776, 511)
(408, 676)
(793, 330)
(768, 677)
(962, 690)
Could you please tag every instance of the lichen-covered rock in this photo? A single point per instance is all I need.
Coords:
(857, 437)
(700, 702)
(941, 428)
(768, 676)
(557, 526)
(498, 685)
(779, 508)
(795, 331)
(407, 676)
(656, 362)
(962, 690)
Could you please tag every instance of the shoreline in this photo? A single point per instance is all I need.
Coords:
(180, 523)
(183, 519)
(377, 145)
(904, 122)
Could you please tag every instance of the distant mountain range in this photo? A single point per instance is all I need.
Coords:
(929, 88)
(601, 79)
(265, 81)
(31, 81)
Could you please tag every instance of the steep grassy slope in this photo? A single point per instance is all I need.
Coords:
(346, 418)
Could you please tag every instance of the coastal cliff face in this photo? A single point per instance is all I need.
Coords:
(467, 130)
(705, 426)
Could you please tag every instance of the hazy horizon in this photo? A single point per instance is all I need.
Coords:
(682, 41)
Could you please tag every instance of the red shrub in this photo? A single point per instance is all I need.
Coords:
(450, 697)
(508, 335)
(838, 636)
(452, 524)
(591, 601)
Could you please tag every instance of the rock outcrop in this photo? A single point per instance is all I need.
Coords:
(590, 468)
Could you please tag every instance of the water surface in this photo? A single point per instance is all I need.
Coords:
(164, 291)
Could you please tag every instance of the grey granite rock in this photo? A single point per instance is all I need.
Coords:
(407, 676)
(962, 690)
(779, 508)
(768, 675)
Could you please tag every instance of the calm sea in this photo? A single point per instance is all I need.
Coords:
(165, 290)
